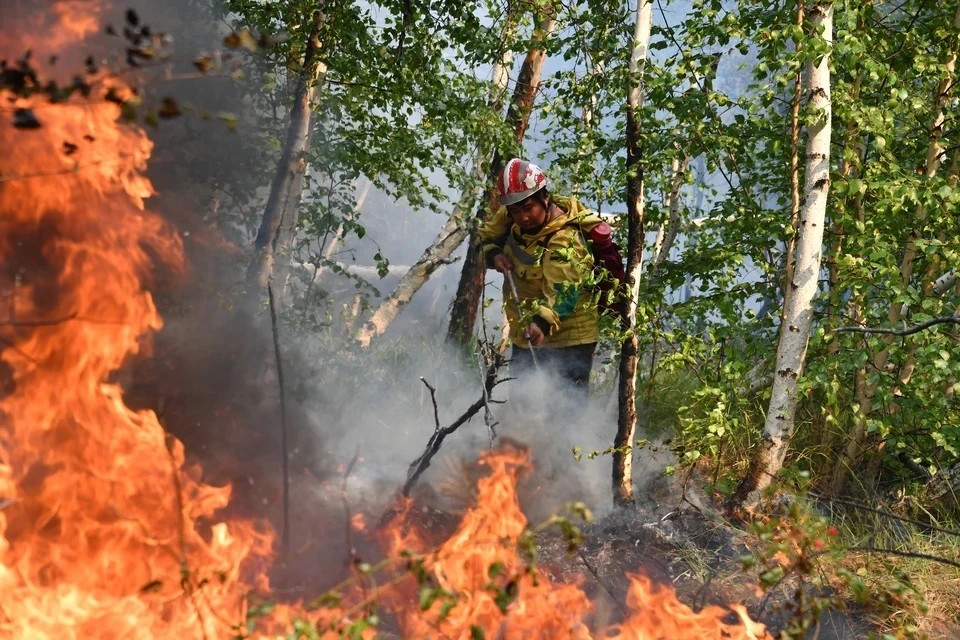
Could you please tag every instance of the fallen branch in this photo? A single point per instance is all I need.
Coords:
(596, 576)
(418, 466)
(901, 332)
(38, 323)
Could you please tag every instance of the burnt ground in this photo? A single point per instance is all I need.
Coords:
(693, 550)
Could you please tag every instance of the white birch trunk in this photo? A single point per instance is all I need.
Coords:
(452, 235)
(667, 234)
(280, 213)
(798, 315)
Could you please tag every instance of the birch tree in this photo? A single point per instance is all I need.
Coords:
(627, 415)
(286, 192)
(456, 229)
(798, 314)
(866, 389)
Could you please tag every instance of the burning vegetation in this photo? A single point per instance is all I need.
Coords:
(111, 529)
(107, 531)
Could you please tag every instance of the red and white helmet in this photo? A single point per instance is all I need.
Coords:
(519, 180)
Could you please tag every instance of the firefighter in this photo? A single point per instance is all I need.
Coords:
(537, 241)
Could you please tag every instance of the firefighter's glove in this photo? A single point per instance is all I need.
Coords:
(502, 263)
(534, 334)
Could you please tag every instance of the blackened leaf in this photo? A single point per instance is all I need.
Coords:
(91, 65)
(113, 96)
(132, 18)
(25, 119)
(80, 85)
(69, 148)
(110, 30)
(53, 60)
(152, 587)
(14, 80)
(89, 138)
(169, 109)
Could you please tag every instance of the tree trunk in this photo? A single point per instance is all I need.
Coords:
(452, 235)
(627, 417)
(466, 304)
(856, 438)
(455, 231)
(794, 178)
(798, 315)
(667, 234)
(280, 214)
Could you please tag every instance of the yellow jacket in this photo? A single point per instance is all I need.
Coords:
(552, 269)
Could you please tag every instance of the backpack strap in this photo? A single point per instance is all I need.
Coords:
(520, 253)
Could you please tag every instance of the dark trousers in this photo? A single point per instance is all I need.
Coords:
(572, 364)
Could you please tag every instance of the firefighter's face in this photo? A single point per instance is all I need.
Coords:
(529, 214)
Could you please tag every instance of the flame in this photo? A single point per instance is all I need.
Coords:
(53, 28)
(105, 532)
(492, 590)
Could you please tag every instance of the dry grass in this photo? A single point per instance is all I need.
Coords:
(916, 594)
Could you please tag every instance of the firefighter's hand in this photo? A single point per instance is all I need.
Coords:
(502, 263)
(534, 335)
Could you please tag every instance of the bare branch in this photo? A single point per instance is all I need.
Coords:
(283, 421)
(418, 466)
(38, 323)
(433, 397)
(887, 514)
(905, 554)
(901, 332)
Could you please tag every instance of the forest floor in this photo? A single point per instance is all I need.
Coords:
(699, 552)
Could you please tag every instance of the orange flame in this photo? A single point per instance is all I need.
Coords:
(490, 587)
(100, 536)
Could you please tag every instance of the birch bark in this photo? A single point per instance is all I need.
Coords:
(798, 314)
